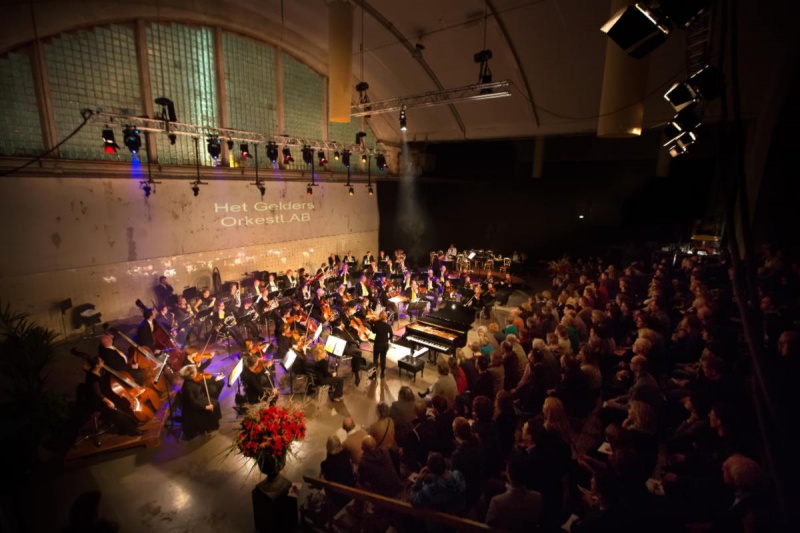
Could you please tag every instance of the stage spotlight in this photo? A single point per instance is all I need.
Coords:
(195, 189)
(370, 191)
(272, 152)
(287, 156)
(681, 144)
(637, 30)
(403, 126)
(110, 145)
(380, 161)
(213, 148)
(336, 155)
(229, 142)
(363, 158)
(309, 191)
(346, 158)
(245, 151)
(322, 159)
(706, 83)
(350, 191)
(308, 155)
(686, 120)
(132, 139)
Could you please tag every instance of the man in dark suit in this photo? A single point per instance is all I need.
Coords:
(164, 292)
(144, 335)
(383, 336)
(116, 359)
(368, 258)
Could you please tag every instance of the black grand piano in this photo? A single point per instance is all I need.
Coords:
(441, 331)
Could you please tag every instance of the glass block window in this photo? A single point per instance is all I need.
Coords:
(302, 101)
(250, 87)
(20, 130)
(95, 69)
(181, 60)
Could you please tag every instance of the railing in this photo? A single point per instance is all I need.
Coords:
(462, 525)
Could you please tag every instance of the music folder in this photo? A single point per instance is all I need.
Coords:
(335, 346)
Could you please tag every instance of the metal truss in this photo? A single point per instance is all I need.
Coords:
(470, 93)
(159, 125)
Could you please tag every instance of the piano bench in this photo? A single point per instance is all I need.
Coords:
(411, 365)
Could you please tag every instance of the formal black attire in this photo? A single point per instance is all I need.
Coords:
(255, 384)
(334, 260)
(115, 360)
(144, 335)
(484, 385)
(196, 419)
(325, 377)
(352, 350)
(97, 388)
(383, 336)
(164, 295)
(468, 458)
(338, 469)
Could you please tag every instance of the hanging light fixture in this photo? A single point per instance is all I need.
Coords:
(287, 156)
(110, 145)
(272, 152)
(346, 158)
(213, 148)
(308, 155)
(132, 139)
(380, 162)
(403, 123)
(336, 155)
(322, 159)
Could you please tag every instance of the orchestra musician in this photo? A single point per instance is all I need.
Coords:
(271, 285)
(382, 257)
(333, 259)
(342, 330)
(144, 335)
(101, 398)
(368, 258)
(436, 264)
(254, 291)
(235, 294)
(248, 317)
(383, 336)
(349, 257)
(338, 299)
(325, 376)
(184, 315)
(316, 305)
(415, 302)
(406, 280)
(344, 275)
(205, 301)
(452, 252)
(290, 280)
(432, 289)
(256, 378)
(400, 266)
(200, 409)
(165, 294)
(362, 289)
(116, 359)
(166, 318)
(387, 267)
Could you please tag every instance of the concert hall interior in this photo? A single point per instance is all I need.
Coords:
(381, 265)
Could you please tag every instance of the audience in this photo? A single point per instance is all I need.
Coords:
(518, 509)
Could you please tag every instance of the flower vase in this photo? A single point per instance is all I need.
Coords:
(275, 486)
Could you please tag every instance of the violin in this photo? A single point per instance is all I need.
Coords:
(204, 376)
(199, 357)
(327, 313)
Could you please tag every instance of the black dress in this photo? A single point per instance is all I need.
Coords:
(196, 418)
(325, 377)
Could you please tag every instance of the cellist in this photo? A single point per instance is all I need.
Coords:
(116, 359)
(101, 398)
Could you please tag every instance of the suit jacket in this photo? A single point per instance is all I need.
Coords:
(144, 335)
(361, 291)
(383, 333)
(353, 444)
(517, 509)
(112, 358)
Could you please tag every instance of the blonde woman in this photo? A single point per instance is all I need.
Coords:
(555, 419)
(486, 337)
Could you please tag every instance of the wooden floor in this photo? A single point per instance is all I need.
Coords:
(111, 442)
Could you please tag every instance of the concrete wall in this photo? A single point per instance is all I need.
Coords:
(101, 241)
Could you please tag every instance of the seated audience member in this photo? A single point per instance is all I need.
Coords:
(506, 419)
(604, 510)
(354, 436)
(402, 412)
(485, 427)
(645, 389)
(518, 509)
(574, 391)
(445, 384)
(383, 429)
(438, 488)
(468, 458)
(376, 472)
(753, 508)
(497, 370)
(443, 417)
(337, 468)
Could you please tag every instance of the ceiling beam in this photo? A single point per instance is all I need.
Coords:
(507, 37)
(391, 28)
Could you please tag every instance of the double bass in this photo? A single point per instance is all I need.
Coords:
(145, 358)
(141, 402)
(165, 342)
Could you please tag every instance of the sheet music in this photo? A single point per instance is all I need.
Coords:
(335, 346)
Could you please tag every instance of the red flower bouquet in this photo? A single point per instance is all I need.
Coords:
(267, 434)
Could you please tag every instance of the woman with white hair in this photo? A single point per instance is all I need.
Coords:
(199, 409)
(485, 337)
(753, 505)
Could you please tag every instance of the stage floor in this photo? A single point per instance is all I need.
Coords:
(192, 486)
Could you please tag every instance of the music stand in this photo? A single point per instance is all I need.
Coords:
(335, 346)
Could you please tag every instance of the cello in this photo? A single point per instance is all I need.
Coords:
(165, 342)
(125, 388)
(146, 360)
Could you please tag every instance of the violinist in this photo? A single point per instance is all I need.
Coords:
(343, 330)
(100, 397)
(338, 299)
(478, 299)
(116, 359)
(448, 291)
(325, 376)
(316, 305)
(255, 378)
(200, 410)
(165, 294)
